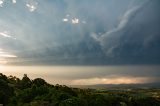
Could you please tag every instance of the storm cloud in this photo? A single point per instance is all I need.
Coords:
(73, 32)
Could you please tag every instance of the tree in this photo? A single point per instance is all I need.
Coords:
(5, 91)
(25, 82)
(39, 82)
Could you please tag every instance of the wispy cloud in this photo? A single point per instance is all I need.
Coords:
(127, 16)
(6, 34)
(105, 38)
(6, 54)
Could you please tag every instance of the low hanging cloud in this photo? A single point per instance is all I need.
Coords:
(113, 80)
(89, 75)
(5, 56)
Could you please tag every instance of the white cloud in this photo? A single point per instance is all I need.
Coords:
(8, 55)
(123, 22)
(75, 21)
(1, 3)
(14, 1)
(6, 34)
(65, 20)
(32, 5)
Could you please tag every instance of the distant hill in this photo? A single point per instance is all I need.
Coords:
(37, 92)
(107, 86)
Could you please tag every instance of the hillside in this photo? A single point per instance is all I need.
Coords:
(37, 92)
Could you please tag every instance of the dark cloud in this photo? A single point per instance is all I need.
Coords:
(107, 32)
(127, 43)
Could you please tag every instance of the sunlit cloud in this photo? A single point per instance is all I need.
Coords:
(75, 21)
(32, 5)
(6, 34)
(65, 20)
(14, 1)
(69, 18)
(75, 75)
(2, 61)
(6, 54)
(113, 80)
(1, 52)
(1, 3)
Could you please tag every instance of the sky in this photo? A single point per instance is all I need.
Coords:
(82, 33)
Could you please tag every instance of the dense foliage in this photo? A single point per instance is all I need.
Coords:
(37, 92)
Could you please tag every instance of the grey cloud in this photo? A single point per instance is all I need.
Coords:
(125, 42)
(125, 19)
(42, 36)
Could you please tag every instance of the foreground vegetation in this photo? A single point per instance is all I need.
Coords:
(37, 92)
